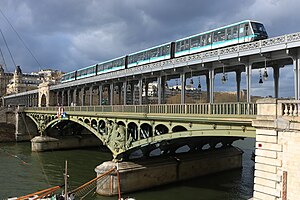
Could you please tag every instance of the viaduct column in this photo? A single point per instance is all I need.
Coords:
(207, 87)
(132, 92)
(75, 97)
(159, 89)
(146, 91)
(125, 93)
(111, 94)
(140, 91)
(69, 97)
(248, 81)
(277, 153)
(82, 96)
(296, 63)
(183, 83)
(91, 95)
(276, 80)
(238, 85)
(100, 92)
(63, 98)
(211, 85)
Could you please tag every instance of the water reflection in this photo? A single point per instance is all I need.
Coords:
(42, 170)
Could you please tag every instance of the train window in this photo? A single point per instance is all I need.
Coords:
(165, 50)
(160, 50)
(242, 30)
(235, 32)
(144, 55)
(105, 66)
(219, 36)
(257, 28)
(229, 33)
(215, 37)
(183, 45)
(195, 41)
(222, 35)
(203, 40)
(177, 46)
(186, 44)
(247, 29)
(100, 68)
(209, 39)
(90, 70)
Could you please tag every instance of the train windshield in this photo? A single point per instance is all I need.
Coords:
(259, 28)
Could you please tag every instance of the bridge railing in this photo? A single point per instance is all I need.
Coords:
(199, 109)
(288, 108)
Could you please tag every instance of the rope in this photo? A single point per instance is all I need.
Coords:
(3, 60)
(20, 39)
(41, 193)
(15, 156)
(43, 170)
(86, 188)
(7, 47)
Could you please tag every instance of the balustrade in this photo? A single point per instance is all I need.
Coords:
(190, 109)
(289, 108)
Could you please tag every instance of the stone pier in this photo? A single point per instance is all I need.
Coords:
(277, 154)
(46, 143)
(138, 175)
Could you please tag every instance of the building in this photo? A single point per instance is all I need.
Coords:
(17, 82)
(22, 82)
(4, 80)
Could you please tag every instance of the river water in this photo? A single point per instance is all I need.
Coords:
(23, 172)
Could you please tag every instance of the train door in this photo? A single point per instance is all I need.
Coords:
(172, 50)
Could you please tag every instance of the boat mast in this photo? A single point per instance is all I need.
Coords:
(66, 180)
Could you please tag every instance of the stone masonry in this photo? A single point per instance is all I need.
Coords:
(277, 153)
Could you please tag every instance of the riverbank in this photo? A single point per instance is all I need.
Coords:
(7, 132)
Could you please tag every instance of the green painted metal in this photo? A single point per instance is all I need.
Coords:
(117, 138)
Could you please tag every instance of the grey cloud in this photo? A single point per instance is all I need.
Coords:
(70, 34)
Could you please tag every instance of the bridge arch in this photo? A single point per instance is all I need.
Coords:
(133, 131)
(146, 131)
(101, 126)
(178, 129)
(161, 129)
(94, 124)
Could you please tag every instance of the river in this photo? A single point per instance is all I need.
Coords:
(23, 172)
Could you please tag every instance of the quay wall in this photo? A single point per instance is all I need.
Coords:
(7, 132)
(7, 125)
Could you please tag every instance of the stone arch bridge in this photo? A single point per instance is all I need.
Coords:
(150, 128)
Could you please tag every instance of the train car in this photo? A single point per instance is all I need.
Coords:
(86, 72)
(157, 53)
(70, 76)
(111, 65)
(241, 32)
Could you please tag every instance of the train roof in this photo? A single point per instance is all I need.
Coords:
(121, 57)
(222, 27)
(167, 43)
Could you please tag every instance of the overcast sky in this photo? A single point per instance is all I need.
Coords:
(70, 34)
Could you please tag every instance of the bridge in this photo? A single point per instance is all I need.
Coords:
(119, 109)
(148, 127)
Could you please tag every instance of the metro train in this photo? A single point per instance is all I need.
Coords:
(241, 32)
